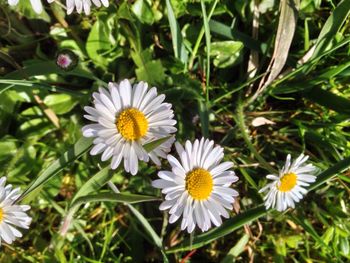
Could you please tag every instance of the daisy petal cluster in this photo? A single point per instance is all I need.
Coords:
(12, 216)
(84, 5)
(198, 185)
(290, 185)
(126, 118)
(36, 5)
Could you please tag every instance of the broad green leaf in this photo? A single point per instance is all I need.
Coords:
(79, 148)
(143, 11)
(60, 103)
(226, 53)
(151, 72)
(101, 41)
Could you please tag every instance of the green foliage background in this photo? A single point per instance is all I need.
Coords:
(197, 53)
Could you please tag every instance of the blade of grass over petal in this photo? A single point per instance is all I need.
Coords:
(74, 153)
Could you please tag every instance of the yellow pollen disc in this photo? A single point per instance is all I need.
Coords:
(132, 124)
(1, 214)
(287, 182)
(199, 183)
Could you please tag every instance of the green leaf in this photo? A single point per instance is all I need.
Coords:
(226, 228)
(143, 12)
(226, 53)
(60, 103)
(151, 72)
(101, 40)
(79, 148)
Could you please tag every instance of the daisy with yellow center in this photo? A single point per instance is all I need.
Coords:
(198, 186)
(126, 118)
(288, 187)
(12, 216)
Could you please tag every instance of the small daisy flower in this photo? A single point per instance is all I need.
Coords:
(126, 119)
(12, 216)
(36, 5)
(198, 186)
(84, 5)
(66, 59)
(288, 187)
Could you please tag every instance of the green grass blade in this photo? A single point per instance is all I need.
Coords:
(207, 43)
(328, 99)
(149, 229)
(113, 197)
(94, 183)
(330, 172)
(236, 250)
(79, 148)
(331, 27)
(226, 228)
(178, 45)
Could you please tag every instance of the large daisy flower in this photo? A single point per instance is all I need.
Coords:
(126, 119)
(288, 187)
(198, 186)
(84, 5)
(12, 216)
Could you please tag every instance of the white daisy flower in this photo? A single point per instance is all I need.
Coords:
(12, 216)
(288, 187)
(198, 186)
(84, 5)
(36, 5)
(126, 119)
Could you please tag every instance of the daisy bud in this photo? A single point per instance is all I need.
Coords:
(66, 59)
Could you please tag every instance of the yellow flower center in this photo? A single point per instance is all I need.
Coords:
(1, 214)
(132, 124)
(287, 182)
(199, 183)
